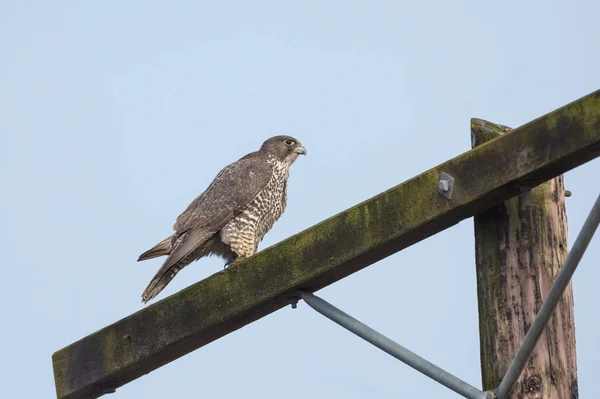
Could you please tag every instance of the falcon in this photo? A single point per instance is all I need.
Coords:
(231, 217)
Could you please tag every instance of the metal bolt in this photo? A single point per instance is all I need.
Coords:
(443, 185)
(294, 302)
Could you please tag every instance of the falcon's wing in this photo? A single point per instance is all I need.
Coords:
(231, 192)
(185, 244)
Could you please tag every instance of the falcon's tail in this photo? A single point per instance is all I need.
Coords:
(160, 281)
(188, 247)
(161, 249)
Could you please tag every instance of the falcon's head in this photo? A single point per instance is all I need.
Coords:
(285, 148)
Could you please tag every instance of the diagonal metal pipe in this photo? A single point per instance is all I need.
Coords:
(399, 352)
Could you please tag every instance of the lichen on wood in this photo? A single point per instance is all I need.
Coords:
(328, 252)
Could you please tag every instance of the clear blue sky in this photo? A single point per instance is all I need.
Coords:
(116, 114)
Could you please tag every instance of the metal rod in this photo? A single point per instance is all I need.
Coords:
(394, 349)
(560, 284)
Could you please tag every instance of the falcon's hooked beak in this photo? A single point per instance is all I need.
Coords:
(300, 150)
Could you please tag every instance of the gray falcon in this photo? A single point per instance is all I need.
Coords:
(232, 215)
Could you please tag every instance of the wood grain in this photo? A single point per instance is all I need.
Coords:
(327, 252)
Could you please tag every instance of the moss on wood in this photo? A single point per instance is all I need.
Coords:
(328, 252)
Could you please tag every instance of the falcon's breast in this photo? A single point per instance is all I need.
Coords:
(244, 232)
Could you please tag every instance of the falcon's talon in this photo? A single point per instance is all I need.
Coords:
(233, 214)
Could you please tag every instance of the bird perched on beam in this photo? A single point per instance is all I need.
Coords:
(232, 215)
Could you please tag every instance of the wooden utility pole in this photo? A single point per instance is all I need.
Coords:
(520, 246)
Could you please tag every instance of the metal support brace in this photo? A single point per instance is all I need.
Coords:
(556, 291)
(518, 363)
(394, 349)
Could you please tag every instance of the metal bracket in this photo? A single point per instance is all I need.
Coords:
(446, 185)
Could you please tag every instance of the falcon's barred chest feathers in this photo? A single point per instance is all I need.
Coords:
(232, 215)
(245, 231)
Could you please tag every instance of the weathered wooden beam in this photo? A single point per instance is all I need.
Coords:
(520, 246)
(328, 251)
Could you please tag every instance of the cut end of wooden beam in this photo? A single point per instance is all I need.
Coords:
(483, 131)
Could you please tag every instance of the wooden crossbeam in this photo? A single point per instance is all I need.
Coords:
(329, 251)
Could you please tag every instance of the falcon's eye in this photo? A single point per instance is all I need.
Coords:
(289, 142)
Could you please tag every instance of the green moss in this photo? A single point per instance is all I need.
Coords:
(490, 288)
(329, 251)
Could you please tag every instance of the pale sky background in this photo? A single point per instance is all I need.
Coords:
(116, 114)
